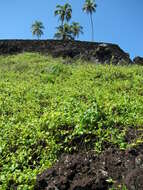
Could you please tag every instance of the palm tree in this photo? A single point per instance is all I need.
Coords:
(90, 7)
(64, 12)
(37, 29)
(64, 32)
(76, 29)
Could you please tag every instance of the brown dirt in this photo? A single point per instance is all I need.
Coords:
(89, 171)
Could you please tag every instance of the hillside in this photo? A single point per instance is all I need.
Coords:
(48, 108)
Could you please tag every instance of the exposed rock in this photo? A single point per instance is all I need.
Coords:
(138, 60)
(89, 171)
(95, 52)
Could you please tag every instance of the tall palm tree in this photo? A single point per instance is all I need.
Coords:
(37, 29)
(64, 12)
(76, 29)
(64, 32)
(90, 7)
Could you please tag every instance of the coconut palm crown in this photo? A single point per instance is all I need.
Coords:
(37, 29)
(64, 32)
(90, 7)
(76, 29)
(64, 12)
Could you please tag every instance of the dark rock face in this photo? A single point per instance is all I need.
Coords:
(95, 52)
(138, 60)
(89, 171)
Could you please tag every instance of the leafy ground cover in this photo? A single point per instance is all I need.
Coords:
(48, 108)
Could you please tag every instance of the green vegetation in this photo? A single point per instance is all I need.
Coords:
(37, 29)
(76, 29)
(63, 32)
(90, 7)
(66, 31)
(64, 12)
(48, 108)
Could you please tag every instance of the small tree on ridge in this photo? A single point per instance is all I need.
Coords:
(76, 29)
(64, 32)
(37, 29)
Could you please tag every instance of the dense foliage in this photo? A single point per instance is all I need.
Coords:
(47, 108)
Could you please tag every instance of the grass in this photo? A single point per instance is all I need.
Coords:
(47, 108)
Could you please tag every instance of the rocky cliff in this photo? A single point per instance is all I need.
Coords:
(96, 52)
(138, 60)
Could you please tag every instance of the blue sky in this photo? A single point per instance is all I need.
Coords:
(115, 21)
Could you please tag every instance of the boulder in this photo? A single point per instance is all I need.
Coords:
(138, 60)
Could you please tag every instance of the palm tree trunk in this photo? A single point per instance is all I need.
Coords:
(92, 27)
(62, 24)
